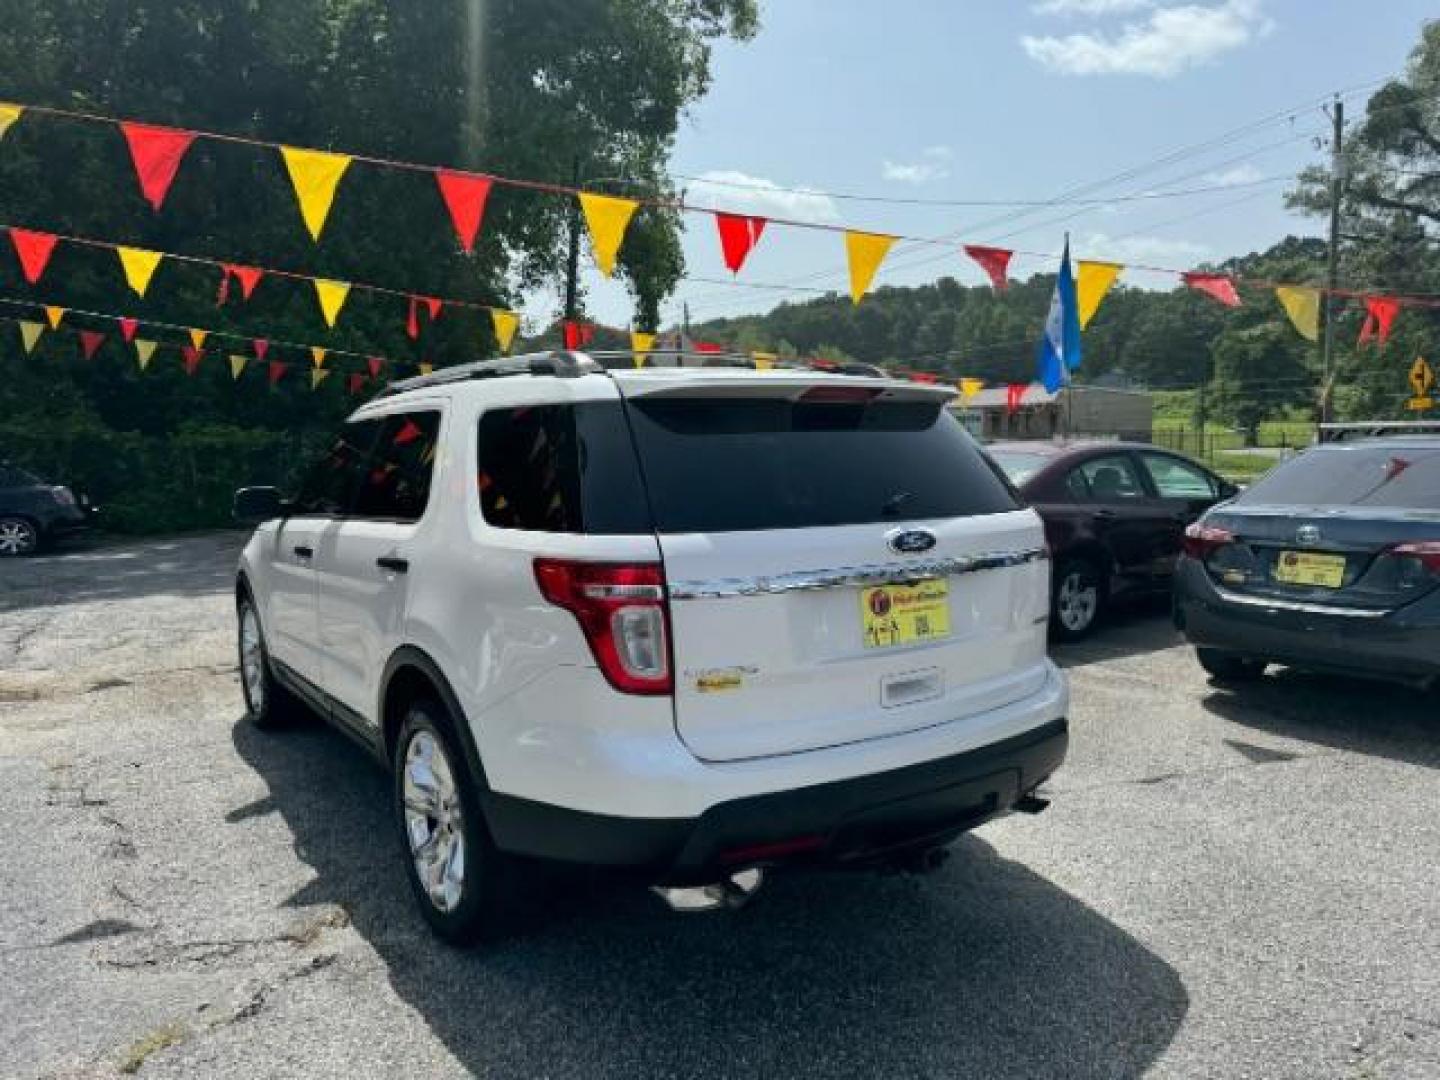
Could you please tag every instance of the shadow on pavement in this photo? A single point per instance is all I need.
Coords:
(1378, 719)
(1132, 628)
(982, 969)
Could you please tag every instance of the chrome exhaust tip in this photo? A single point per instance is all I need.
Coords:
(731, 893)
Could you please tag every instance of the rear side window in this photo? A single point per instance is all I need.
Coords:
(1112, 479)
(395, 482)
(726, 465)
(1176, 479)
(330, 484)
(1390, 476)
(561, 468)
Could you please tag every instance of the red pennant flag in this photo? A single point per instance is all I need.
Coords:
(994, 261)
(375, 364)
(1380, 312)
(1013, 393)
(708, 348)
(34, 250)
(464, 195)
(739, 233)
(432, 305)
(90, 342)
(191, 356)
(356, 382)
(128, 328)
(248, 276)
(277, 371)
(578, 334)
(923, 377)
(1217, 285)
(156, 152)
(408, 433)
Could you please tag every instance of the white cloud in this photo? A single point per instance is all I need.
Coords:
(920, 172)
(728, 189)
(1171, 40)
(1155, 250)
(1090, 7)
(1234, 176)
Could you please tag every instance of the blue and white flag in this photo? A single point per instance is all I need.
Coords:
(1060, 346)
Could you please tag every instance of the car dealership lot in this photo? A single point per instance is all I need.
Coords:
(1226, 885)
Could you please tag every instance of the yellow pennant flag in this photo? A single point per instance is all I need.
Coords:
(197, 338)
(237, 365)
(29, 334)
(331, 295)
(54, 315)
(1303, 307)
(505, 323)
(640, 344)
(139, 266)
(317, 356)
(866, 252)
(607, 217)
(764, 361)
(318, 376)
(970, 387)
(8, 115)
(426, 369)
(144, 350)
(314, 175)
(1092, 282)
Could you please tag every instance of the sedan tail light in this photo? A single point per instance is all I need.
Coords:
(1426, 552)
(624, 614)
(1201, 541)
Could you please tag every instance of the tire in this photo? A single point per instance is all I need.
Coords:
(18, 536)
(268, 705)
(466, 894)
(1077, 599)
(1225, 668)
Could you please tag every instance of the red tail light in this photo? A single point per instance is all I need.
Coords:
(840, 395)
(1201, 541)
(623, 613)
(1427, 552)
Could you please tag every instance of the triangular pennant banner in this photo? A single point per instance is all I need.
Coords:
(139, 266)
(8, 115)
(607, 217)
(318, 376)
(1092, 282)
(355, 382)
(764, 361)
(1014, 394)
(994, 261)
(29, 334)
(53, 315)
(34, 250)
(505, 324)
(191, 355)
(197, 338)
(331, 295)
(1218, 286)
(314, 175)
(90, 342)
(144, 350)
(577, 334)
(1303, 307)
(156, 152)
(261, 347)
(464, 195)
(426, 369)
(375, 364)
(128, 328)
(640, 345)
(866, 251)
(970, 387)
(248, 276)
(433, 305)
(1380, 312)
(739, 233)
(276, 371)
(317, 356)
(237, 365)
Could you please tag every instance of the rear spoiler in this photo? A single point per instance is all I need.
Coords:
(660, 382)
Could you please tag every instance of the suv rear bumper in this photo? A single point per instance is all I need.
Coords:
(854, 821)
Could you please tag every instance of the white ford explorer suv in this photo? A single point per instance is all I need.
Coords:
(686, 621)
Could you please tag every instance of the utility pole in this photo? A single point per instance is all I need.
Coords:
(1332, 277)
(572, 266)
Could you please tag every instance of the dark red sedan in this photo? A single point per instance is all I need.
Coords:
(1115, 517)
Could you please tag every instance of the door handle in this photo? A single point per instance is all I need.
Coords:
(393, 564)
(303, 551)
(1105, 515)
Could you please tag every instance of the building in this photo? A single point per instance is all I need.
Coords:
(1072, 410)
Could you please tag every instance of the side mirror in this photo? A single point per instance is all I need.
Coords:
(256, 504)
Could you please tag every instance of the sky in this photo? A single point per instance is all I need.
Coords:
(1003, 100)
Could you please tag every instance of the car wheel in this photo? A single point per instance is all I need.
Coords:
(1078, 599)
(1224, 667)
(267, 703)
(18, 536)
(466, 887)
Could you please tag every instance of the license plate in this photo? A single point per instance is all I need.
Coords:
(903, 614)
(1307, 568)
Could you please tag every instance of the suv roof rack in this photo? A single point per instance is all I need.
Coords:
(560, 363)
(1364, 429)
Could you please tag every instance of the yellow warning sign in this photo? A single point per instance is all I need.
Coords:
(1421, 377)
(1420, 404)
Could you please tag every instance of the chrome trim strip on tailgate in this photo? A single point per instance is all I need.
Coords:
(841, 577)
(1300, 606)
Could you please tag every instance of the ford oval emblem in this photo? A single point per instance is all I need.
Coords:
(911, 541)
(1309, 535)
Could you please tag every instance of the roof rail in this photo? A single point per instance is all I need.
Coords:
(562, 364)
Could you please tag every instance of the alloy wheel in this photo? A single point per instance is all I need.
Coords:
(1077, 602)
(252, 659)
(17, 537)
(434, 822)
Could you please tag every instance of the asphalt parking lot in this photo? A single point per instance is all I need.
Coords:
(1226, 885)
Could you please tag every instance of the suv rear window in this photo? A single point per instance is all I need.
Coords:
(1341, 475)
(733, 464)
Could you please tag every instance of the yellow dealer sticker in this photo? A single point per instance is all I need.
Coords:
(905, 614)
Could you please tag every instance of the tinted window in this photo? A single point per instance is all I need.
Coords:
(395, 482)
(561, 468)
(1077, 486)
(1176, 479)
(1340, 475)
(330, 484)
(1112, 478)
(1019, 466)
(720, 465)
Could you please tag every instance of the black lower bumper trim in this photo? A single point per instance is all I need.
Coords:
(842, 822)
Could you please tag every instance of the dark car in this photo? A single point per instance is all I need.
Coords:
(32, 512)
(1331, 563)
(1115, 517)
